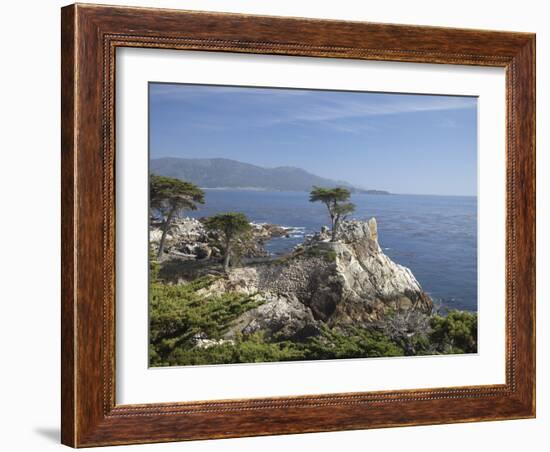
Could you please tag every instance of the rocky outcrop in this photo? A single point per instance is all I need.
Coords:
(280, 316)
(346, 283)
(188, 239)
(350, 282)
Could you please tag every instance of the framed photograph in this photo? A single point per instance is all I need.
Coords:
(281, 225)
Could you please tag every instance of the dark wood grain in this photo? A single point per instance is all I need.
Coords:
(67, 226)
(90, 36)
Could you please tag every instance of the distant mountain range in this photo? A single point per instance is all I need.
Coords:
(226, 173)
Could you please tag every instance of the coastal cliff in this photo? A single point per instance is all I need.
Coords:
(328, 297)
(346, 283)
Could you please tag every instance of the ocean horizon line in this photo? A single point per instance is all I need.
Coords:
(386, 192)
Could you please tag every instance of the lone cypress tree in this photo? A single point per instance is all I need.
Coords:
(336, 201)
(171, 196)
(231, 226)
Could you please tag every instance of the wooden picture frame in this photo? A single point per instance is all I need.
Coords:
(90, 36)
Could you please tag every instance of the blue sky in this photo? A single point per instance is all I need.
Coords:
(403, 143)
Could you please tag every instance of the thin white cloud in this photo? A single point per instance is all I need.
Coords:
(344, 109)
(293, 106)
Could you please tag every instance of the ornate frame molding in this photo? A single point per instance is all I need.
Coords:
(90, 37)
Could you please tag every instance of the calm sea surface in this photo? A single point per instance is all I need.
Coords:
(435, 236)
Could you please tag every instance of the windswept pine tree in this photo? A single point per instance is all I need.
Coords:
(171, 196)
(336, 201)
(231, 226)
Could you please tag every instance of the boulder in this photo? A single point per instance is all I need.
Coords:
(283, 316)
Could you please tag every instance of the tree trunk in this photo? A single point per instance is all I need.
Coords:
(330, 214)
(165, 228)
(335, 228)
(227, 258)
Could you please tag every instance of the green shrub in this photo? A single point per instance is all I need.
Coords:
(177, 314)
(355, 343)
(328, 255)
(455, 332)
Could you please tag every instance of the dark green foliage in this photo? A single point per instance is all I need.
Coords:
(344, 209)
(422, 334)
(231, 226)
(313, 251)
(329, 195)
(301, 252)
(330, 256)
(253, 349)
(354, 343)
(167, 193)
(336, 201)
(170, 196)
(178, 313)
(455, 333)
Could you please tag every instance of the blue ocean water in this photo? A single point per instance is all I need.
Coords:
(435, 236)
